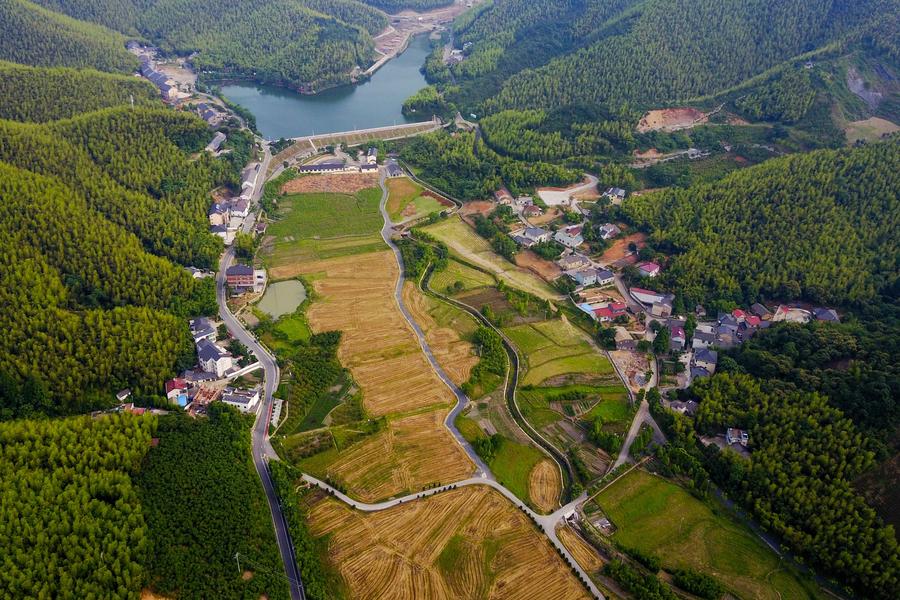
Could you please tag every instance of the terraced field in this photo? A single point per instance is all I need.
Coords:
(465, 543)
(463, 240)
(458, 277)
(552, 348)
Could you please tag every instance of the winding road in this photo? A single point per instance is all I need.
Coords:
(261, 449)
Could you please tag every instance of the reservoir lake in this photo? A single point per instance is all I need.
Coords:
(281, 112)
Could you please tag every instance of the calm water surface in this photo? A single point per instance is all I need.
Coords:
(375, 103)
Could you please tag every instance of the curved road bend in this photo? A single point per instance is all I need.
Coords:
(547, 523)
(261, 450)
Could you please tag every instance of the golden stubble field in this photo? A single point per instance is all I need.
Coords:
(465, 543)
(413, 452)
(442, 326)
(545, 485)
(356, 296)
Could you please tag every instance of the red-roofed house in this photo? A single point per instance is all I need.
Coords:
(610, 311)
(753, 321)
(175, 387)
(739, 315)
(648, 269)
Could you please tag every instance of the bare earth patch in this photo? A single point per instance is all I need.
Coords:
(476, 207)
(544, 485)
(465, 543)
(870, 130)
(619, 248)
(544, 268)
(671, 119)
(338, 183)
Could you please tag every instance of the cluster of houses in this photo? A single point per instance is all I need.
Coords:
(197, 388)
(168, 89)
(226, 217)
(600, 306)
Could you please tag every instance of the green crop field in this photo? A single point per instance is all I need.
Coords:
(555, 347)
(457, 272)
(289, 250)
(311, 216)
(513, 464)
(658, 517)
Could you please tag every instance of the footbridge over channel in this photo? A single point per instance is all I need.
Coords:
(312, 144)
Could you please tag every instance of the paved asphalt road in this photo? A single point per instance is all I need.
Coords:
(261, 449)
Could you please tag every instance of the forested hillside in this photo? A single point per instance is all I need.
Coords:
(201, 497)
(95, 207)
(821, 226)
(302, 43)
(35, 36)
(708, 46)
(38, 94)
(71, 524)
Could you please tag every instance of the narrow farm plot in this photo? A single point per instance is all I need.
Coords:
(583, 553)
(356, 297)
(411, 454)
(458, 277)
(658, 517)
(462, 544)
(402, 191)
(545, 485)
(344, 183)
(463, 240)
(447, 331)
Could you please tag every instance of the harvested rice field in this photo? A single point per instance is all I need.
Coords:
(411, 454)
(545, 485)
(355, 295)
(583, 553)
(345, 183)
(462, 544)
(447, 331)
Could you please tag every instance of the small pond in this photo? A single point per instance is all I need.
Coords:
(282, 298)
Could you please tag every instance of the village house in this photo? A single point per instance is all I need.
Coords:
(704, 337)
(624, 341)
(503, 197)
(243, 278)
(826, 314)
(393, 169)
(244, 400)
(648, 269)
(791, 314)
(571, 262)
(570, 236)
(610, 312)
(219, 213)
(615, 195)
(686, 408)
(240, 208)
(677, 339)
(177, 392)
(123, 395)
(368, 168)
(608, 231)
(249, 177)
(737, 436)
(662, 308)
(220, 230)
(213, 359)
(216, 142)
(605, 277)
(536, 235)
(532, 211)
(196, 273)
(332, 166)
(760, 311)
(706, 359)
(372, 156)
(524, 201)
(646, 296)
(201, 329)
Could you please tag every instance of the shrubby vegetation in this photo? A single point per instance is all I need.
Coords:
(786, 98)
(492, 361)
(71, 523)
(467, 169)
(45, 94)
(642, 587)
(395, 6)
(427, 102)
(203, 502)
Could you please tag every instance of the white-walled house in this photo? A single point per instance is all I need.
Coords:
(213, 359)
